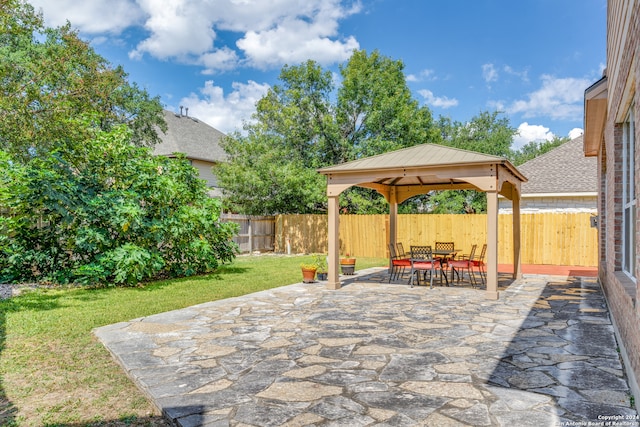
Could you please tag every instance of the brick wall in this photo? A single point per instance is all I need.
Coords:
(621, 291)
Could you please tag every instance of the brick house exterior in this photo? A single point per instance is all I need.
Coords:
(612, 113)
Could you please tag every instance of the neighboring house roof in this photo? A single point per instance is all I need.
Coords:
(564, 169)
(188, 135)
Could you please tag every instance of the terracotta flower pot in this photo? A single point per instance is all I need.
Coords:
(308, 275)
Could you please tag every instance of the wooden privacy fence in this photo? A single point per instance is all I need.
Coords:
(546, 238)
(256, 232)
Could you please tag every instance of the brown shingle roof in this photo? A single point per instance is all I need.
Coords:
(564, 169)
(188, 135)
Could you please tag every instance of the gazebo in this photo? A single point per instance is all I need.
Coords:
(401, 174)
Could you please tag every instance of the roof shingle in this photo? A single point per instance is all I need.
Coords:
(188, 135)
(564, 169)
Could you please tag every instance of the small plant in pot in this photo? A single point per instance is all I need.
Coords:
(323, 269)
(308, 272)
(348, 264)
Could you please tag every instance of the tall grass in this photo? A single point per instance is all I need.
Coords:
(54, 373)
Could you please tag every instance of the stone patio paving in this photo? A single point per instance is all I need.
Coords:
(374, 353)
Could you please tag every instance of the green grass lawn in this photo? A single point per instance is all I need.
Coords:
(53, 372)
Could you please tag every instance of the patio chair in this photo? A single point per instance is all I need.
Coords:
(400, 251)
(465, 262)
(445, 247)
(397, 264)
(443, 252)
(480, 265)
(422, 261)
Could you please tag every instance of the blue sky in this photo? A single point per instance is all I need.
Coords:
(530, 59)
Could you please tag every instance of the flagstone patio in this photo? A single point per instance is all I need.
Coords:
(374, 353)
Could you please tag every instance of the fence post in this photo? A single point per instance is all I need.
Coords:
(250, 237)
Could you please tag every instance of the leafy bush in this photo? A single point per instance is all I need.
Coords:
(117, 215)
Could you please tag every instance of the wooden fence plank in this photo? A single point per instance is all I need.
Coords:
(256, 233)
(546, 238)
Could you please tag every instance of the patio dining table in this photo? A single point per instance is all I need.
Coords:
(443, 255)
(446, 255)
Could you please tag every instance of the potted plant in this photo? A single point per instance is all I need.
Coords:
(308, 272)
(321, 264)
(348, 264)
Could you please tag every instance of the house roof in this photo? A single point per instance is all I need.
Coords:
(564, 169)
(188, 135)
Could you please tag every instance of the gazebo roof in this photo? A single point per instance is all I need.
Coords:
(416, 156)
(430, 166)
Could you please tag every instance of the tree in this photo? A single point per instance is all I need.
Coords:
(86, 201)
(536, 148)
(120, 215)
(375, 110)
(261, 177)
(306, 123)
(486, 133)
(48, 75)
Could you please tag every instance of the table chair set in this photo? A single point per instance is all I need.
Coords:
(426, 261)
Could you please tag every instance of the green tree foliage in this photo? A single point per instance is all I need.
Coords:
(536, 148)
(306, 122)
(309, 121)
(375, 111)
(48, 75)
(487, 133)
(261, 177)
(121, 215)
(82, 200)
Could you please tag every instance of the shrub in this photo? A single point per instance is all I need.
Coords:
(118, 215)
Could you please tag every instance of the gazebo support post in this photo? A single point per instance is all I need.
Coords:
(334, 242)
(492, 245)
(393, 221)
(517, 261)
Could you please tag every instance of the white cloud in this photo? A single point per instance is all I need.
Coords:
(177, 29)
(528, 133)
(225, 112)
(266, 34)
(297, 37)
(496, 105)
(421, 76)
(523, 75)
(489, 73)
(558, 98)
(575, 132)
(93, 17)
(442, 102)
(270, 49)
(219, 60)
